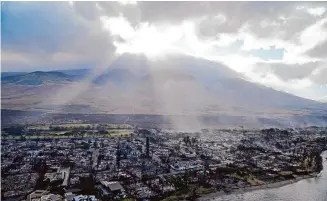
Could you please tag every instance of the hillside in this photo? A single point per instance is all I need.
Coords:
(37, 78)
(180, 85)
(7, 74)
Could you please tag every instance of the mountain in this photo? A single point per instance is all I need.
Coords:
(6, 74)
(236, 89)
(227, 86)
(120, 77)
(37, 78)
(180, 85)
(77, 73)
(136, 64)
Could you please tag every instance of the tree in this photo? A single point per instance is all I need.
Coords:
(22, 138)
(85, 145)
(14, 130)
(194, 193)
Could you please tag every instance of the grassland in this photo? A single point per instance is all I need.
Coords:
(108, 126)
(64, 136)
(43, 131)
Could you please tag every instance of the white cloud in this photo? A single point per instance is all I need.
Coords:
(126, 2)
(313, 35)
(153, 41)
(317, 11)
(71, 3)
(117, 26)
(227, 32)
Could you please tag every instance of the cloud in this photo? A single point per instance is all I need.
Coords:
(277, 44)
(85, 47)
(320, 75)
(264, 19)
(288, 71)
(39, 34)
(318, 11)
(319, 51)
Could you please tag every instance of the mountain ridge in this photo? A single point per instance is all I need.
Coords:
(36, 78)
(180, 84)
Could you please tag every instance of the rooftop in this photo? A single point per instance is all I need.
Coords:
(113, 186)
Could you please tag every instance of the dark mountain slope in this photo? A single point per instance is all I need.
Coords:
(178, 84)
(37, 78)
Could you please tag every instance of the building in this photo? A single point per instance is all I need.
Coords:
(36, 195)
(42, 195)
(147, 147)
(85, 198)
(111, 190)
(52, 197)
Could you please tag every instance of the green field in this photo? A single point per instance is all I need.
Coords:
(43, 127)
(114, 130)
(62, 136)
(108, 126)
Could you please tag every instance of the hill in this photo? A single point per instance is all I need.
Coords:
(179, 85)
(37, 78)
(7, 74)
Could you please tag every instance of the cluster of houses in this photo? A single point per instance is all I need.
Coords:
(151, 164)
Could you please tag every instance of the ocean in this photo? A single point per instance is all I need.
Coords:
(312, 189)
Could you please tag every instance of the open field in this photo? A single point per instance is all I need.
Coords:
(70, 125)
(70, 131)
(123, 133)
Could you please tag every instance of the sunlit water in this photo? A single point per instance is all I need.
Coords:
(313, 189)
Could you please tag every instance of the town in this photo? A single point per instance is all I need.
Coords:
(122, 162)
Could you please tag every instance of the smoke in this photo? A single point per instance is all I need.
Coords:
(70, 93)
(177, 94)
(169, 89)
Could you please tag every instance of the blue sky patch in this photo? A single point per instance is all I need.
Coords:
(36, 25)
(271, 54)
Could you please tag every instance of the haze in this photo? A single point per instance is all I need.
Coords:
(172, 57)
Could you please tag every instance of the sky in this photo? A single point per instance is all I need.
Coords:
(277, 44)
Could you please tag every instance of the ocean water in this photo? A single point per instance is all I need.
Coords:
(313, 189)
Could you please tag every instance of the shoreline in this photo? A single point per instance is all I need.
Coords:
(212, 196)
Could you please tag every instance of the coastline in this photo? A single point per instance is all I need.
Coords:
(212, 196)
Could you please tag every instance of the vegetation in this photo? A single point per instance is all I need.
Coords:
(66, 131)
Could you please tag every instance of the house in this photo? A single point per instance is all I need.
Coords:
(36, 195)
(42, 195)
(52, 197)
(111, 190)
(113, 186)
(85, 198)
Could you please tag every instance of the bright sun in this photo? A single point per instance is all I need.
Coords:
(152, 41)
